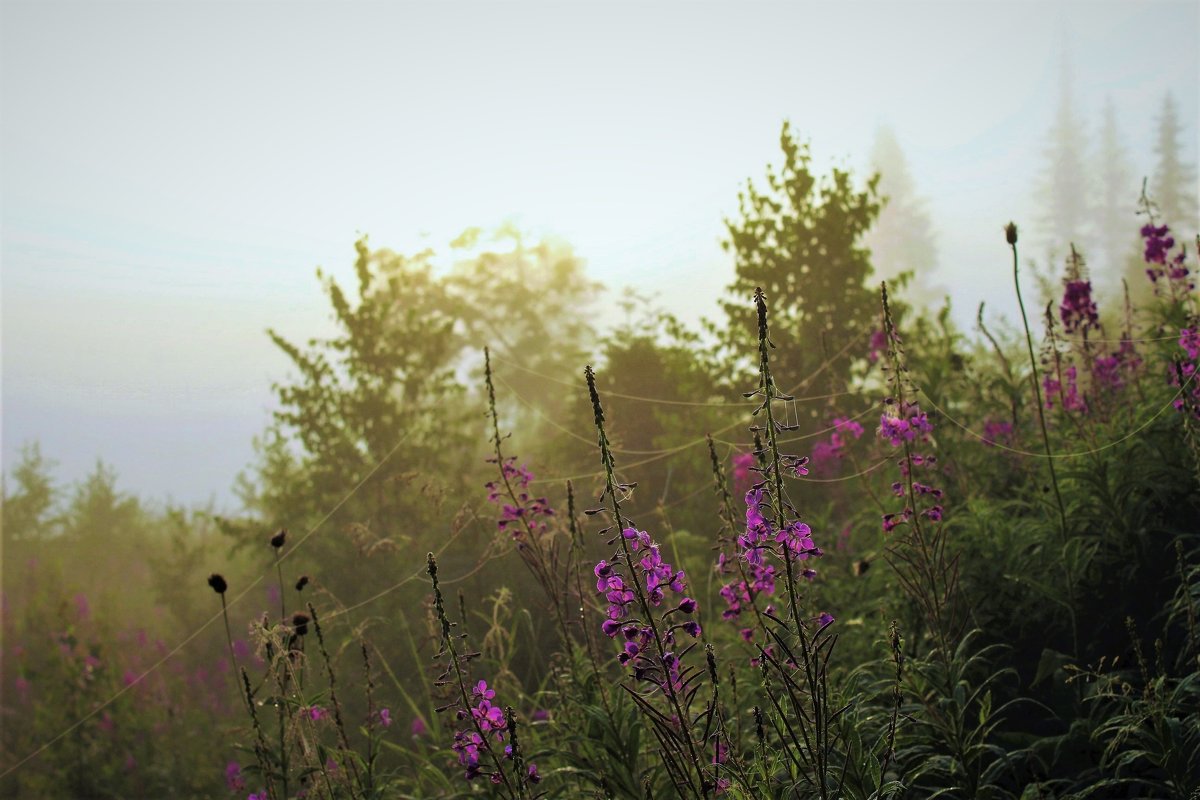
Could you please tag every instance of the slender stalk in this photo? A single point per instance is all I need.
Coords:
(464, 698)
(539, 564)
(1011, 235)
(611, 489)
(813, 674)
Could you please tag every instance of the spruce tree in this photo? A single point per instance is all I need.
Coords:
(1114, 213)
(1062, 191)
(1173, 187)
(902, 239)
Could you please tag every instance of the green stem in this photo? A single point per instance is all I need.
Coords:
(1037, 391)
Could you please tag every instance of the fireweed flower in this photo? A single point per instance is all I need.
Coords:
(1158, 243)
(877, 346)
(904, 426)
(742, 462)
(1189, 342)
(528, 514)
(1067, 391)
(827, 454)
(903, 422)
(1078, 310)
(662, 585)
(997, 431)
(1168, 272)
(759, 549)
(488, 729)
(233, 777)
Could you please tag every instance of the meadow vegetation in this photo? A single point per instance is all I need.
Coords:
(828, 546)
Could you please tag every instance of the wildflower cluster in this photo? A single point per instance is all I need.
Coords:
(1162, 265)
(1185, 371)
(827, 453)
(520, 513)
(662, 585)
(1066, 388)
(1077, 309)
(742, 464)
(1110, 372)
(773, 534)
(903, 425)
(488, 723)
(903, 421)
(485, 726)
(997, 432)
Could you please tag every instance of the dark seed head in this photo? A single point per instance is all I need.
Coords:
(278, 539)
(217, 582)
(300, 623)
(300, 584)
(1010, 233)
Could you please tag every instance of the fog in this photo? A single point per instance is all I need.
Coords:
(174, 173)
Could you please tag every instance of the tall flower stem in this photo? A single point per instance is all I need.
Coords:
(542, 563)
(1010, 232)
(461, 680)
(730, 520)
(1011, 235)
(611, 490)
(813, 671)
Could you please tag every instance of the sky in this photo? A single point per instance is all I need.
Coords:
(173, 173)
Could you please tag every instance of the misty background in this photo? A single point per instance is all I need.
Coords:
(174, 173)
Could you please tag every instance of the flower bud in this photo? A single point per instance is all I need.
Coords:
(278, 539)
(217, 582)
(1010, 233)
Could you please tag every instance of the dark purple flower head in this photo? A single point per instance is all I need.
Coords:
(233, 777)
(1158, 242)
(217, 582)
(279, 538)
(1078, 310)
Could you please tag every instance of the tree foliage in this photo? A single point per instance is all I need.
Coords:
(800, 238)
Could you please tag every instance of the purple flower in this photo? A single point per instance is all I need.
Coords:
(1189, 340)
(1078, 309)
(877, 346)
(997, 431)
(742, 462)
(1157, 243)
(385, 718)
(527, 514)
(418, 727)
(233, 777)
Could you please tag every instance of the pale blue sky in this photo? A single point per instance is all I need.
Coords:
(173, 172)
